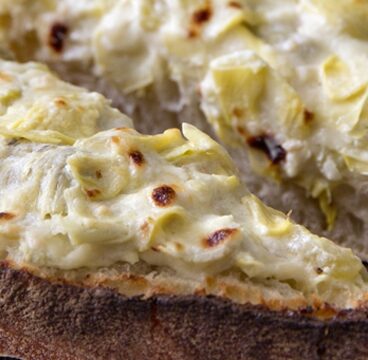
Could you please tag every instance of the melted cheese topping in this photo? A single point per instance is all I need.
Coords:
(77, 192)
(36, 105)
(310, 96)
(292, 72)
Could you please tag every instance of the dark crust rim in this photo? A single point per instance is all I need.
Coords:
(40, 319)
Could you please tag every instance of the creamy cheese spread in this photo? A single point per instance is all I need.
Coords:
(79, 187)
(286, 78)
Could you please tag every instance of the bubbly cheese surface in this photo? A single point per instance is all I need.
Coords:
(286, 78)
(79, 187)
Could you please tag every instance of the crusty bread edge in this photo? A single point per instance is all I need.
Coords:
(40, 319)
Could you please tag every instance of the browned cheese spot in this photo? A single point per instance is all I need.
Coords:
(242, 131)
(98, 174)
(308, 116)
(137, 157)
(192, 33)
(266, 143)
(92, 192)
(238, 112)
(234, 4)
(319, 271)
(6, 216)
(58, 34)
(115, 139)
(199, 17)
(60, 102)
(202, 15)
(179, 247)
(163, 195)
(218, 237)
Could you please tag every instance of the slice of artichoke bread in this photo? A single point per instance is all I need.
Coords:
(120, 245)
(285, 79)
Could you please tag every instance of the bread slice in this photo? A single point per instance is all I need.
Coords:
(120, 245)
(54, 318)
(168, 68)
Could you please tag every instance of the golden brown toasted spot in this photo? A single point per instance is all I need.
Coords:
(60, 102)
(163, 195)
(92, 192)
(238, 112)
(137, 157)
(308, 116)
(115, 139)
(98, 174)
(133, 278)
(324, 312)
(193, 32)
(266, 143)
(218, 237)
(6, 216)
(123, 128)
(210, 282)
(5, 77)
(242, 131)
(234, 4)
(199, 17)
(319, 271)
(154, 248)
(179, 247)
(202, 15)
(200, 292)
(57, 36)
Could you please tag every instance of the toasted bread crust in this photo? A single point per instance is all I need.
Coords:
(45, 320)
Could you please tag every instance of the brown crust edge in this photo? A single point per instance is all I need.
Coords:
(44, 320)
